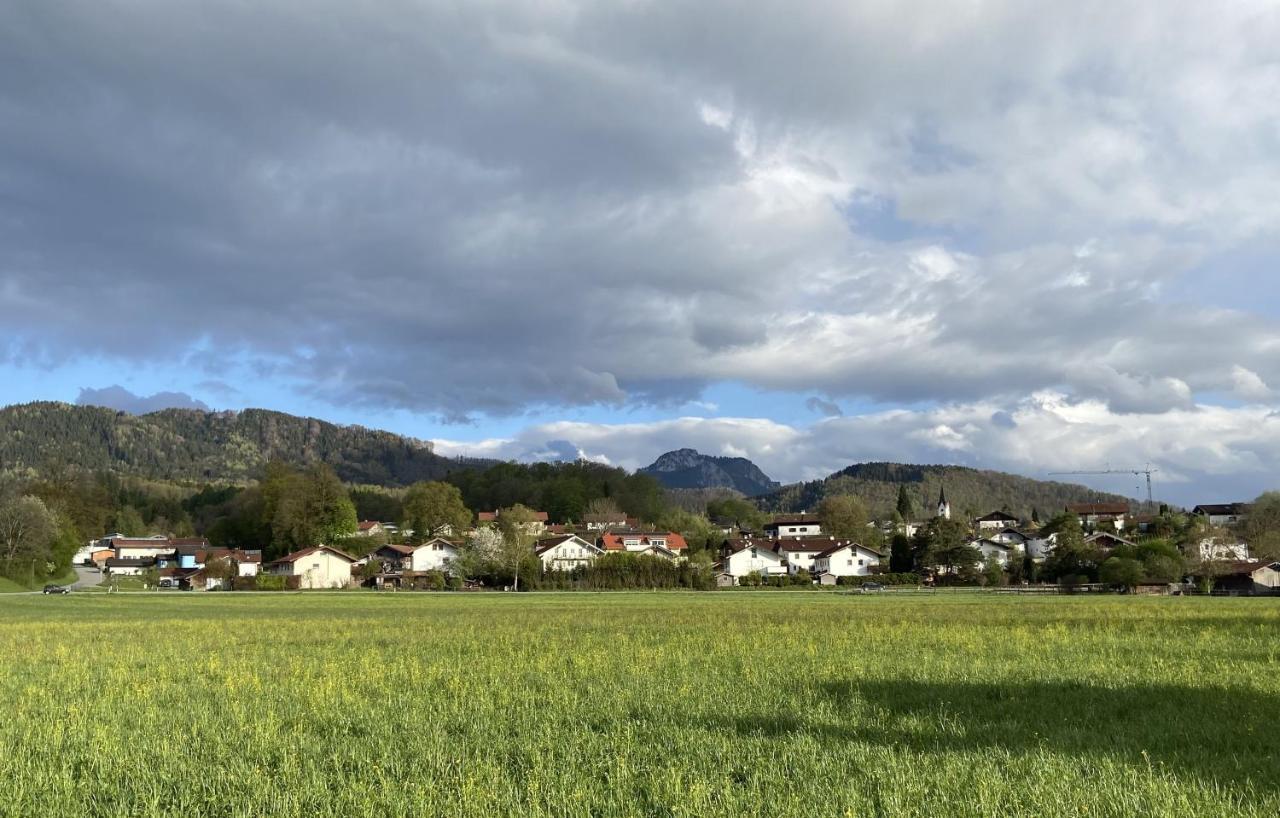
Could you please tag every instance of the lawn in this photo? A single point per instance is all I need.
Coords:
(778, 704)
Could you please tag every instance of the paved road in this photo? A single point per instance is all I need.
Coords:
(85, 577)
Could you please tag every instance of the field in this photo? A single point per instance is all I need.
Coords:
(732, 703)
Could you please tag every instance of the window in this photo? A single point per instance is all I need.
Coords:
(850, 561)
(659, 541)
(861, 562)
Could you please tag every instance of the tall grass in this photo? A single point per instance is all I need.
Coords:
(638, 704)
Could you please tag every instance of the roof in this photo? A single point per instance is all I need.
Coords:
(367, 525)
(1245, 567)
(306, 552)
(1098, 508)
(1100, 535)
(1003, 545)
(611, 541)
(403, 550)
(1221, 509)
(237, 554)
(841, 545)
(806, 544)
(138, 542)
(997, 517)
(130, 562)
(547, 543)
(190, 541)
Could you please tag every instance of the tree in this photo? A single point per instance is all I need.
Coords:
(313, 509)
(1070, 557)
(906, 506)
(27, 532)
(1262, 527)
(900, 559)
(844, 516)
(737, 512)
(946, 543)
(992, 572)
(222, 569)
(515, 548)
(129, 522)
(1121, 572)
(432, 508)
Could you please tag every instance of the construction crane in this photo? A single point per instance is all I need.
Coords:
(1147, 472)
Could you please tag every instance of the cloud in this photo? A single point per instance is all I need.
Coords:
(1203, 453)
(512, 206)
(827, 408)
(121, 399)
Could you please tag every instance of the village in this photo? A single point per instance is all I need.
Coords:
(998, 549)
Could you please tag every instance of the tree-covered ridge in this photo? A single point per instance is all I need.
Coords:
(971, 492)
(180, 444)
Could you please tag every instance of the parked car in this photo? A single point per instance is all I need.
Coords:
(871, 587)
(56, 589)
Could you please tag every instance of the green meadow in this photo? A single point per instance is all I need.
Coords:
(680, 704)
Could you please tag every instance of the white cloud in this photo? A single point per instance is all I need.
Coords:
(1202, 453)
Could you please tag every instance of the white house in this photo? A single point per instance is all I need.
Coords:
(320, 567)
(1003, 552)
(370, 528)
(793, 527)
(995, 521)
(747, 556)
(1101, 515)
(141, 547)
(433, 555)
(564, 553)
(666, 544)
(846, 559)
(799, 554)
(1010, 536)
(1212, 548)
(128, 566)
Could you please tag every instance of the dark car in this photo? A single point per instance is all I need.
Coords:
(56, 589)
(871, 587)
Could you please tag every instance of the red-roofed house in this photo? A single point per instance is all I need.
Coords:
(370, 528)
(666, 544)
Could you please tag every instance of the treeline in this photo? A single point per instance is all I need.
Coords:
(41, 439)
(971, 492)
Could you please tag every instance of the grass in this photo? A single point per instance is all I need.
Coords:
(12, 586)
(774, 704)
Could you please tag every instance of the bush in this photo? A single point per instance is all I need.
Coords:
(903, 578)
(269, 582)
(244, 583)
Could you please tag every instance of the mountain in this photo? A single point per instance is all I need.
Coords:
(971, 492)
(186, 444)
(689, 469)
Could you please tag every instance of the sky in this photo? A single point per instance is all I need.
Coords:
(1025, 237)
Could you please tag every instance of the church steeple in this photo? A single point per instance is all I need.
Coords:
(944, 508)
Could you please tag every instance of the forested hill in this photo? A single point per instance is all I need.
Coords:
(184, 444)
(971, 492)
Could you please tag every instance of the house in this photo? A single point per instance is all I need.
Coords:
(247, 564)
(1213, 548)
(799, 554)
(1093, 515)
(1222, 514)
(725, 579)
(1039, 548)
(995, 521)
(746, 556)
(535, 527)
(1250, 578)
(394, 558)
(1002, 551)
(845, 559)
(128, 566)
(320, 567)
(99, 556)
(604, 522)
(140, 547)
(666, 544)
(1010, 536)
(370, 528)
(434, 555)
(566, 552)
(793, 527)
(1105, 541)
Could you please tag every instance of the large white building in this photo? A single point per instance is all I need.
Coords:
(845, 559)
(744, 557)
(319, 567)
(566, 552)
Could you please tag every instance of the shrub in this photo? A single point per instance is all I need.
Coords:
(269, 582)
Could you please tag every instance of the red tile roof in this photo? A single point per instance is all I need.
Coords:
(614, 541)
(1098, 508)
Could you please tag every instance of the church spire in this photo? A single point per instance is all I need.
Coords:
(944, 508)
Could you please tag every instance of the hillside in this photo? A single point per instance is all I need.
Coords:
(971, 492)
(184, 444)
(690, 469)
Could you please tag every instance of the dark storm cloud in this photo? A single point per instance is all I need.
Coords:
(492, 207)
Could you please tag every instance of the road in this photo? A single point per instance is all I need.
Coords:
(85, 577)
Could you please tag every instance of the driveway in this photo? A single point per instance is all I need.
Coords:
(85, 577)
